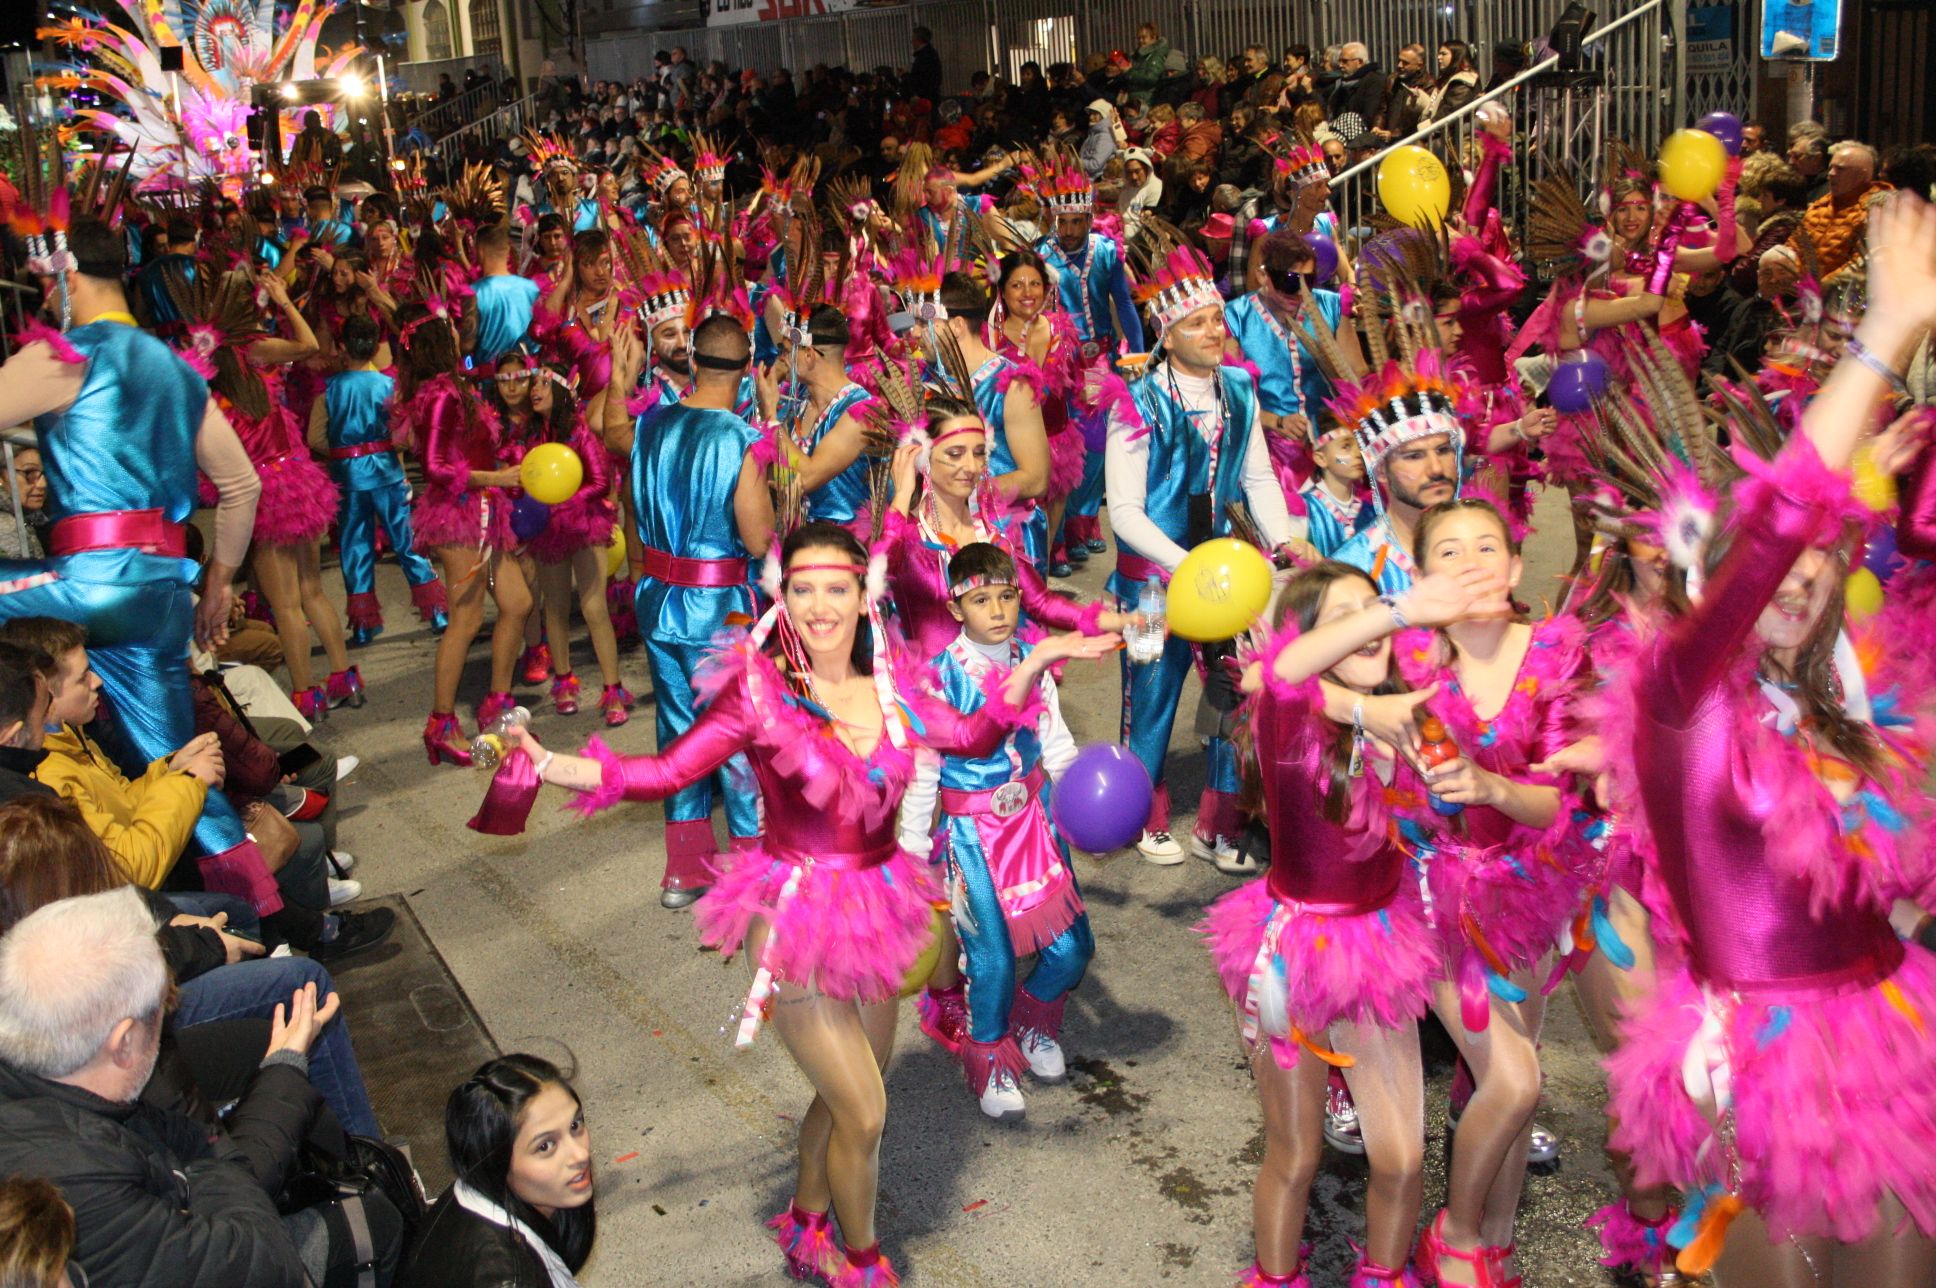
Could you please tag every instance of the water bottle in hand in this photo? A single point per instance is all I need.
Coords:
(488, 748)
(1144, 642)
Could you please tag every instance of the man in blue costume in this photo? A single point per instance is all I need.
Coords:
(702, 512)
(825, 428)
(1193, 444)
(123, 424)
(505, 300)
(1263, 333)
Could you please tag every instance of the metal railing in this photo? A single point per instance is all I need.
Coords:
(499, 125)
(1563, 119)
(420, 76)
(457, 113)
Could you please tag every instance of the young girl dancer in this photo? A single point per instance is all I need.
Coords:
(1785, 1069)
(1501, 858)
(462, 520)
(1026, 328)
(1332, 948)
(833, 912)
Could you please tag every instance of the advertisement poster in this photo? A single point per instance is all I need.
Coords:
(1710, 38)
(731, 13)
(1801, 29)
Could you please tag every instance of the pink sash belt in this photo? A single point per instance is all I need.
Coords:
(144, 530)
(694, 573)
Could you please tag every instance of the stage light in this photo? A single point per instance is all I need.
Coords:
(1568, 34)
(352, 86)
(290, 92)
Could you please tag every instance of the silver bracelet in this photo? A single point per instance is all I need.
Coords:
(1398, 617)
(1868, 357)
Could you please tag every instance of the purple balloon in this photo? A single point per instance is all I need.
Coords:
(1576, 383)
(1327, 252)
(528, 517)
(1725, 126)
(1103, 799)
(1882, 558)
(1094, 427)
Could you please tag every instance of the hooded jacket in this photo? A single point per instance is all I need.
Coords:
(144, 822)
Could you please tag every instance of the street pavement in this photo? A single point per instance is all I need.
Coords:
(1135, 1171)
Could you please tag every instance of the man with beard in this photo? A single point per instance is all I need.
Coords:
(1406, 97)
(701, 513)
(1409, 476)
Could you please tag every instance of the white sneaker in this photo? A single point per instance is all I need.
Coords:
(1161, 849)
(341, 862)
(1223, 851)
(344, 891)
(346, 765)
(1044, 1057)
(1003, 1100)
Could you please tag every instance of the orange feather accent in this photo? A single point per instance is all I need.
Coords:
(1698, 1257)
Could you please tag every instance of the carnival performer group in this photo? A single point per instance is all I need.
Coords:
(825, 452)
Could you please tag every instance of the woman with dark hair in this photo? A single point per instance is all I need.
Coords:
(1458, 81)
(520, 1213)
(835, 915)
(462, 520)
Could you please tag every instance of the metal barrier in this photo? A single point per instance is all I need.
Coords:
(499, 125)
(1566, 120)
(456, 113)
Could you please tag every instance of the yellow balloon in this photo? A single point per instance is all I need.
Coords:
(1413, 186)
(917, 976)
(1862, 592)
(1871, 486)
(1219, 589)
(551, 473)
(615, 556)
(1692, 164)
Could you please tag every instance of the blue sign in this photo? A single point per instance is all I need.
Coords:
(1801, 29)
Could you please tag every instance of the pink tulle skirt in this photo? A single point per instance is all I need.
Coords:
(1834, 1094)
(847, 933)
(1378, 967)
(298, 502)
(574, 527)
(1518, 903)
(441, 518)
(1067, 455)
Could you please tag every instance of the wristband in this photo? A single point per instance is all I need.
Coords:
(1398, 617)
(1868, 357)
(543, 765)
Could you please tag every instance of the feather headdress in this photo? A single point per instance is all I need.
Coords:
(1174, 279)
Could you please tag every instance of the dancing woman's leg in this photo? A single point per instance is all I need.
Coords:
(1388, 1086)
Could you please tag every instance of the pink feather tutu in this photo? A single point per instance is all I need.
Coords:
(440, 519)
(1376, 967)
(845, 932)
(576, 525)
(1067, 455)
(298, 503)
(1834, 1098)
(1517, 900)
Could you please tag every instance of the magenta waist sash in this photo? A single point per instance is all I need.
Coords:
(698, 574)
(1845, 948)
(145, 530)
(845, 861)
(966, 803)
(355, 450)
(1136, 568)
(1337, 893)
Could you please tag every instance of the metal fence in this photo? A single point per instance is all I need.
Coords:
(421, 77)
(498, 126)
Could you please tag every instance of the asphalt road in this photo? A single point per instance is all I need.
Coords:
(1136, 1171)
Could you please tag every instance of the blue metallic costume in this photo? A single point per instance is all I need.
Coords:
(1095, 294)
(684, 475)
(370, 477)
(505, 304)
(991, 381)
(1331, 522)
(1288, 379)
(843, 496)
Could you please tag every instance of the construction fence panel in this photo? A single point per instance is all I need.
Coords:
(620, 57)
(760, 46)
(1039, 31)
(1225, 27)
(962, 36)
(815, 40)
(885, 38)
(1112, 26)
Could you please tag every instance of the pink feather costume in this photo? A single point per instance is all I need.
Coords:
(1058, 379)
(1501, 891)
(585, 520)
(455, 432)
(298, 496)
(1794, 994)
(1337, 915)
(861, 909)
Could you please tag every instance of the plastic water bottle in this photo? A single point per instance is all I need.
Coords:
(488, 748)
(1436, 748)
(1145, 643)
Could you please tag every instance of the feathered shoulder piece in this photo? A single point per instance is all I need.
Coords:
(477, 197)
(1562, 235)
(220, 315)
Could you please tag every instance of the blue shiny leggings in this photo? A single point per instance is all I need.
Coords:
(361, 513)
(990, 956)
(137, 641)
(1151, 693)
(1086, 498)
(672, 667)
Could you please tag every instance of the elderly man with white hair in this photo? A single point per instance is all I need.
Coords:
(1837, 225)
(159, 1198)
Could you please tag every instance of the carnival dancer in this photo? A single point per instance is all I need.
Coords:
(463, 520)
(700, 500)
(1028, 326)
(1189, 445)
(1330, 958)
(351, 423)
(552, 258)
(1291, 387)
(576, 321)
(299, 500)
(350, 289)
(1013, 889)
(1009, 396)
(1782, 1073)
(505, 301)
(828, 438)
(122, 425)
(833, 912)
(1093, 281)
(1335, 506)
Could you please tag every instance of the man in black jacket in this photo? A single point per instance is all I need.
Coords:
(159, 1199)
(1361, 87)
(924, 76)
(23, 720)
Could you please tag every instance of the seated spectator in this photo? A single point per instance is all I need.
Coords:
(158, 1198)
(1208, 93)
(36, 1234)
(1104, 139)
(1200, 137)
(520, 1211)
(146, 823)
(29, 491)
(1837, 223)
(216, 961)
(1163, 131)
(24, 693)
(1141, 191)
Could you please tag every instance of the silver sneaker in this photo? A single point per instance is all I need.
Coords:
(342, 891)
(1341, 1122)
(677, 898)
